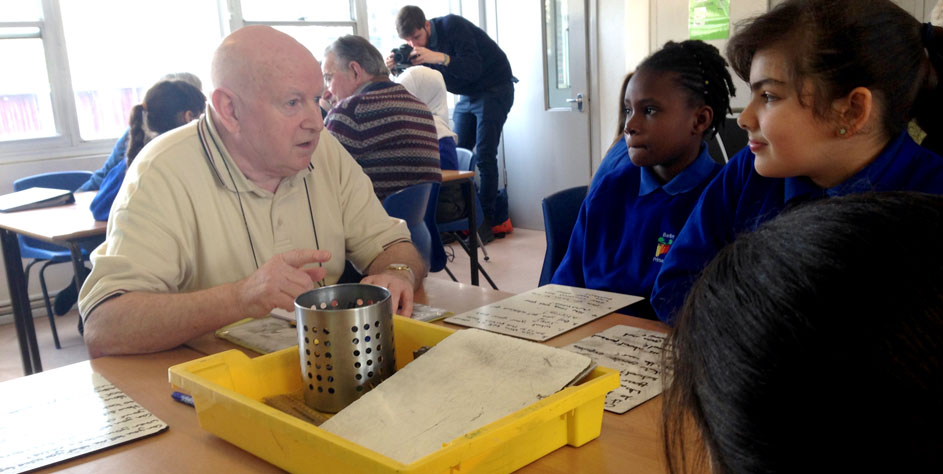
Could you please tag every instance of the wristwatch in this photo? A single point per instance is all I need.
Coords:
(402, 267)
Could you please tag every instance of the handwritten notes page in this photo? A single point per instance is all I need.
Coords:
(636, 354)
(64, 413)
(468, 380)
(544, 312)
(263, 335)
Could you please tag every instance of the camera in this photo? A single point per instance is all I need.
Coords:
(401, 57)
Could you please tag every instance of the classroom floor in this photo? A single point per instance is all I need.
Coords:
(514, 265)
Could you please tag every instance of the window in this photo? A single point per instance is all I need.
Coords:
(82, 64)
(114, 59)
(557, 59)
(25, 101)
(314, 24)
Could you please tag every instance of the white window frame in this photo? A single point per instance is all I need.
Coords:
(68, 142)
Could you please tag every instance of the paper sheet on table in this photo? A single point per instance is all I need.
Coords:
(63, 413)
(263, 335)
(636, 353)
(545, 312)
(463, 383)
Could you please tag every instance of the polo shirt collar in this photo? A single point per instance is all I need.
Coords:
(685, 181)
(222, 164)
(886, 163)
(433, 37)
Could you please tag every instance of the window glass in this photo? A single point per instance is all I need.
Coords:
(296, 10)
(557, 40)
(316, 38)
(114, 59)
(25, 100)
(20, 10)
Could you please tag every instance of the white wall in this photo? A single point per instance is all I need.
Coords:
(623, 41)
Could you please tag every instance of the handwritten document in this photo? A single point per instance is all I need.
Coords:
(636, 354)
(544, 312)
(64, 413)
(263, 335)
(466, 381)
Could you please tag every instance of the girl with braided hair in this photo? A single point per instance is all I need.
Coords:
(167, 105)
(674, 102)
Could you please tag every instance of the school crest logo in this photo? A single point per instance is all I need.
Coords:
(664, 244)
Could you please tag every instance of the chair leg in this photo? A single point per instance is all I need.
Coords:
(49, 313)
(481, 245)
(451, 275)
(487, 277)
(480, 268)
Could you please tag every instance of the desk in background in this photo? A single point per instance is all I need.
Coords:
(467, 180)
(628, 442)
(70, 226)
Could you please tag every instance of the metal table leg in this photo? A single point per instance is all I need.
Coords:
(19, 298)
(78, 268)
(472, 229)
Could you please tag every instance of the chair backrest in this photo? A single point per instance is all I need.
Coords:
(466, 161)
(560, 212)
(437, 258)
(410, 204)
(68, 180)
(728, 142)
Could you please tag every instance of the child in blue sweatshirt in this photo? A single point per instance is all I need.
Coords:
(676, 99)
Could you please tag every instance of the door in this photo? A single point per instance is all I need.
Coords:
(547, 134)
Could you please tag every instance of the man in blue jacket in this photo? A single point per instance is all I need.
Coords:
(475, 68)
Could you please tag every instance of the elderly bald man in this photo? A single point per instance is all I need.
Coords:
(240, 212)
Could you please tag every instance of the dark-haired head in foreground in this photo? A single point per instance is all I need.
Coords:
(814, 344)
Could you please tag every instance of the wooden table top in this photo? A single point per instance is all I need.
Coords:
(628, 443)
(56, 224)
(455, 175)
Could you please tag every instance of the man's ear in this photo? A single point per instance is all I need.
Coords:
(855, 110)
(703, 116)
(224, 103)
(356, 71)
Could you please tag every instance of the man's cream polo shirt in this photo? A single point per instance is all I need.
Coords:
(179, 224)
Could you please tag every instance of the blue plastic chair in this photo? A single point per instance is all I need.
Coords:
(410, 204)
(437, 259)
(467, 162)
(560, 212)
(40, 251)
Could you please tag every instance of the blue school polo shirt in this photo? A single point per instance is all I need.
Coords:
(627, 223)
(739, 200)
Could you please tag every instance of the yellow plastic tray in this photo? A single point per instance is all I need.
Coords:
(228, 389)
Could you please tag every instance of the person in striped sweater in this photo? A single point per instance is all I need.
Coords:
(389, 131)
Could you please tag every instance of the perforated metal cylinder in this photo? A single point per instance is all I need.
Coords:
(345, 341)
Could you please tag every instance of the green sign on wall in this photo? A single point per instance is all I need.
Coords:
(709, 19)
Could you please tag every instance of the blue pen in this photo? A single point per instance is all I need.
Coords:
(182, 398)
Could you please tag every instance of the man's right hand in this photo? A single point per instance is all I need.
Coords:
(390, 62)
(279, 281)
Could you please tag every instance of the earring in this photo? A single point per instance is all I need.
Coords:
(842, 131)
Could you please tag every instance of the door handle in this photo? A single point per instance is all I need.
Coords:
(578, 100)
